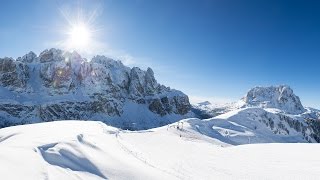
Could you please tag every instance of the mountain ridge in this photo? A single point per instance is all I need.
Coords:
(60, 85)
(264, 114)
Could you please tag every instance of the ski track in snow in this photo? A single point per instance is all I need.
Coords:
(138, 155)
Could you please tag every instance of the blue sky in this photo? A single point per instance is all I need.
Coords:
(209, 49)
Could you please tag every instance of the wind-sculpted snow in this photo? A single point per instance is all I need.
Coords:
(190, 149)
(59, 85)
(68, 156)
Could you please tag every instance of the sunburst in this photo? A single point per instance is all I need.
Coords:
(79, 36)
(81, 32)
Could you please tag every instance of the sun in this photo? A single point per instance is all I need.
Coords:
(80, 30)
(79, 36)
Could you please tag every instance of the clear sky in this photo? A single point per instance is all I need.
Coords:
(209, 49)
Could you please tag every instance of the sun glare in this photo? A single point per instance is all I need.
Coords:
(79, 36)
(80, 32)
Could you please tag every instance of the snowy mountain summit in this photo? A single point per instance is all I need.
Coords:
(58, 85)
(263, 115)
(279, 97)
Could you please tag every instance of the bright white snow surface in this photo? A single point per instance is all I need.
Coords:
(92, 150)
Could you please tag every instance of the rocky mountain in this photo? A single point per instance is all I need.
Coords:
(264, 114)
(58, 85)
(279, 97)
(206, 109)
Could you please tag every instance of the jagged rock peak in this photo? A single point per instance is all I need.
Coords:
(28, 58)
(51, 55)
(280, 97)
(63, 85)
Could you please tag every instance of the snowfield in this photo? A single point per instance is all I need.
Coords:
(92, 150)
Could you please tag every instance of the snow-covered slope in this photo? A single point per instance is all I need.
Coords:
(93, 150)
(59, 85)
(206, 109)
(257, 125)
(265, 114)
(278, 97)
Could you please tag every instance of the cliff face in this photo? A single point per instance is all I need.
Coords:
(59, 85)
(279, 97)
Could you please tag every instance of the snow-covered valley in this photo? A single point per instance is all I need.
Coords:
(93, 150)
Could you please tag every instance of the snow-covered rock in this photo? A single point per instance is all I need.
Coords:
(265, 114)
(62, 85)
(28, 58)
(13, 74)
(277, 97)
(280, 97)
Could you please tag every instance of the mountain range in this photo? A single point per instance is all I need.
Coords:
(264, 114)
(60, 85)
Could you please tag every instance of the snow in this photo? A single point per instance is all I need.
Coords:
(280, 97)
(93, 150)
(264, 115)
(60, 85)
(254, 125)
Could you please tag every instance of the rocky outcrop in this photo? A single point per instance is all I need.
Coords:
(13, 74)
(280, 97)
(61, 85)
(281, 124)
(28, 58)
